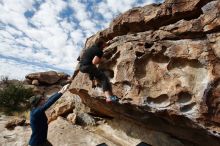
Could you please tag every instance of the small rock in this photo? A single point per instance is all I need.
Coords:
(85, 119)
(72, 118)
(35, 82)
(60, 109)
(10, 125)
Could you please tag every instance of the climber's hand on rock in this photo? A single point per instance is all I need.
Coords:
(64, 88)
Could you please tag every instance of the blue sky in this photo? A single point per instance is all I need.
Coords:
(42, 35)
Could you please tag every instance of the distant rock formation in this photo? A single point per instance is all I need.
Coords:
(48, 77)
(164, 63)
(46, 82)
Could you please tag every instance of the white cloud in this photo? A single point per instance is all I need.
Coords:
(47, 15)
(6, 35)
(54, 42)
(15, 70)
(13, 31)
(80, 10)
(11, 12)
(87, 24)
(117, 6)
(67, 27)
(77, 36)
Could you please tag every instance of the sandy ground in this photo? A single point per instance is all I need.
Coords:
(63, 133)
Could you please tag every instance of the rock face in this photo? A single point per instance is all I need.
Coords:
(63, 106)
(163, 62)
(62, 132)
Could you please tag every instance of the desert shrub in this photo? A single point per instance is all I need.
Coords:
(15, 96)
(4, 79)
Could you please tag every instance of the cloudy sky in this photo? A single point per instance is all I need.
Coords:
(42, 35)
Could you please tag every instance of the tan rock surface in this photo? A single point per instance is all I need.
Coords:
(163, 61)
(60, 133)
(63, 106)
(63, 133)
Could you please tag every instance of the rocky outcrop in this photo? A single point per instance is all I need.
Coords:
(46, 83)
(49, 77)
(163, 62)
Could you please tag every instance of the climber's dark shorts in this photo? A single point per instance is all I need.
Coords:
(95, 73)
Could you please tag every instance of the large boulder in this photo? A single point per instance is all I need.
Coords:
(62, 107)
(163, 62)
(61, 132)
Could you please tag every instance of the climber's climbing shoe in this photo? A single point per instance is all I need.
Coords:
(112, 98)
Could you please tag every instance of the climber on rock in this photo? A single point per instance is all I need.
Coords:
(88, 61)
(38, 118)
